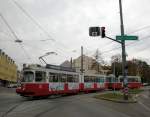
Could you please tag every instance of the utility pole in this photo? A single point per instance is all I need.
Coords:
(71, 63)
(114, 70)
(82, 59)
(124, 67)
(82, 73)
(114, 78)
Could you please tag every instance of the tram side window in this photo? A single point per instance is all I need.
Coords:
(114, 79)
(76, 78)
(88, 79)
(40, 76)
(139, 79)
(72, 78)
(121, 79)
(136, 80)
(63, 78)
(53, 77)
(101, 80)
(108, 79)
(98, 79)
(69, 78)
(130, 79)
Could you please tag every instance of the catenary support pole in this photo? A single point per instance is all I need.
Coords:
(124, 67)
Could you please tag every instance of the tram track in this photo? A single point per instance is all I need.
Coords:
(48, 100)
(12, 108)
(50, 109)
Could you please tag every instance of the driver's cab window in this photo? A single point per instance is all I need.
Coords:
(40, 76)
(28, 76)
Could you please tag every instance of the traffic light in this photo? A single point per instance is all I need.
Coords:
(103, 32)
(94, 31)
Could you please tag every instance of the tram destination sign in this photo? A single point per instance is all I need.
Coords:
(126, 37)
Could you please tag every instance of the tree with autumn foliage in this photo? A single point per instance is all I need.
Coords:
(135, 67)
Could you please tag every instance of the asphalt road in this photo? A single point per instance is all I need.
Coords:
(83, 105)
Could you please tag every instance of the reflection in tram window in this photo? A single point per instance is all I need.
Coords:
(72, 78)
(63, 77)
(76, 78)
(88, 79)
(40, 76)
(53, 77)
(69, 78)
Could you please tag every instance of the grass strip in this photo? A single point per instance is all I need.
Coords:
(135, 91)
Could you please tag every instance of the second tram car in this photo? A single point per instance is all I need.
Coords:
(113, 82)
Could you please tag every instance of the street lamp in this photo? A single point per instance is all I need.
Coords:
(46, 54)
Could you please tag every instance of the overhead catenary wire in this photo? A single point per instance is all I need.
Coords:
(132, 43)
(32, 19)
(38, 24)
(107, 51)
(116, 48)
(15, 36)
(110, 43)
(140, 29)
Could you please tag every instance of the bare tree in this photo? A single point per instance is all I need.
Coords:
(116, 58)
(99, 58)
(116, 64)
(98, 61)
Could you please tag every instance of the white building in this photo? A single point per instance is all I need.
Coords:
(90, 65)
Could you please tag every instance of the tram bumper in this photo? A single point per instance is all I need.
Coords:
(23, 92)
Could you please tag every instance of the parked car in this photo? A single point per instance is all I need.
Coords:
(12, 86)
(146, 84)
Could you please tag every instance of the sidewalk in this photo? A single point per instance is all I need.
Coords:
(4, 90)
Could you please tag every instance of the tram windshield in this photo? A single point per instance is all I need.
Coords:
(28, 76)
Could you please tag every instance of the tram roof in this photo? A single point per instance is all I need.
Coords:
(50, 67)
(61, 68)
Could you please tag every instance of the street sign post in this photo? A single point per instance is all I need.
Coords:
(126, 37)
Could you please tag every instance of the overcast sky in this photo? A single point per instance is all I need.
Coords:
(62, 26)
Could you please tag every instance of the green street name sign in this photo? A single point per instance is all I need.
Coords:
(125, 37)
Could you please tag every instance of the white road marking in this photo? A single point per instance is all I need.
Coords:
(146, 107)
(145, 96)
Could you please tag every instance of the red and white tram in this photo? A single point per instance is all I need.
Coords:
(50, 80)
(113, 82)
(133, 81)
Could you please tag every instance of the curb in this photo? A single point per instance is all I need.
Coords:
(132, 100)
(118, 101)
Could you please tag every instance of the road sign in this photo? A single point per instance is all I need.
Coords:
(126, 37)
